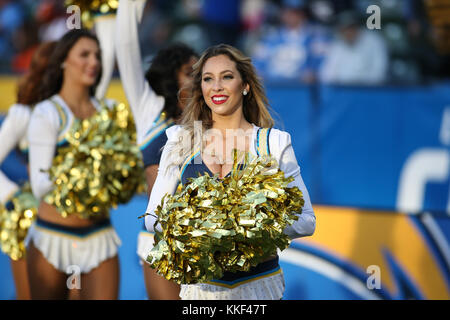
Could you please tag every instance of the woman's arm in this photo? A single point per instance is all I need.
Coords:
(144, 103)
(13, 129)
(104, 28)
(42, 139)
(306, 223)
(166, 181)
(151, 172)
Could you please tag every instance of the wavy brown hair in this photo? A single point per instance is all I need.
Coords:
(29, 86)
(255, 104)
(54, 76)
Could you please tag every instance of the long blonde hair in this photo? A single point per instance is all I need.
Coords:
(255, 104)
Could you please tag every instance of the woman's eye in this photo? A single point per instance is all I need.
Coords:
(228, 76)
(206, 79)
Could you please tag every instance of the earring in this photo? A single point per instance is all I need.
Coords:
(245, 92)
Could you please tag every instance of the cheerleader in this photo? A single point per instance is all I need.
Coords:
(227, 95)
(156, 101)
(85, 248)
(12, 135)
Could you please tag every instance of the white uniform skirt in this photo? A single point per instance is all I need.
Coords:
(270, 287)
(65, 247)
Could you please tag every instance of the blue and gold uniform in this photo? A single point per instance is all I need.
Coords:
(63, 246)
(155, 139)
(192, 168)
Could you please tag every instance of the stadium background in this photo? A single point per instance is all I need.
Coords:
(354, 152)
(376, 161)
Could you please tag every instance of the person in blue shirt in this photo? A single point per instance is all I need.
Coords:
(222, 20)
(295, 50)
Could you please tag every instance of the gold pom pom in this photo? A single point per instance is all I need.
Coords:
(14, 224)
(100, 168)
(210, 226)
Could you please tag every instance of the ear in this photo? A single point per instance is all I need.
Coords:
(247, 87)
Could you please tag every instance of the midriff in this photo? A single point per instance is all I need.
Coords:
(50, 214)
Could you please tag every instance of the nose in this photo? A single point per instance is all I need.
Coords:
(217, 85)
(94, 61)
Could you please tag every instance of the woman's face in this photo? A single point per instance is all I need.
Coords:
(222, 85)
(82, 64)
(184, 76)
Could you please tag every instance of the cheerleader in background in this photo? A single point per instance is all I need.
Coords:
(156, 101)
(12, 135)
(55, 244)
(227, 95)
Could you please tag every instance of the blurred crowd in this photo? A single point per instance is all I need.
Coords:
(290, 41)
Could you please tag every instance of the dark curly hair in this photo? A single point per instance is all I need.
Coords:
(162, 74)
(53, 78)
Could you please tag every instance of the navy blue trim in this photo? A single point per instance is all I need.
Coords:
(76, 231)
(257, 142)
(193, 170)
(152, 151)
(152, 139)
(22, 154)
(155, 124)
(61, 144)
(268, 143)
(9, 205)
(265, 267)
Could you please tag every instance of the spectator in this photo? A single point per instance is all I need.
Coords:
(222, 20)
(25, 44)
(357, 56)
(51, 16)
(154, 29)
(293, 51)
(420, 35)
(12, 17)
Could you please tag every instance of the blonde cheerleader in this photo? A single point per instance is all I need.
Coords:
(230, 102)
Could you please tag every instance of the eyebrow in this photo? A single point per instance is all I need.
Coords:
(220, 73)
(90, 50)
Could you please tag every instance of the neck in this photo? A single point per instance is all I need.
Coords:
(74, 95)
(233, 121)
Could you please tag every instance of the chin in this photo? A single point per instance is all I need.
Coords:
(89, 83)
(220, 111)
(223, 110)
